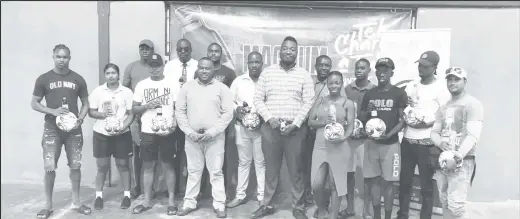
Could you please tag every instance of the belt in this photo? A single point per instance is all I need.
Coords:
(469, 157)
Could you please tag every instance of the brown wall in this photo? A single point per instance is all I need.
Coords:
(486, 43)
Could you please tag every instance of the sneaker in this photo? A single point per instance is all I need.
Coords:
(299, 214)
(125, 203)
(221, 213)
(262, 212)
(98, 203)
(235, 202)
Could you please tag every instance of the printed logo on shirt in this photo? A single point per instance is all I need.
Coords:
(59, 84)
(162, 95)
(383, 104)
(453, 122)
(220, 78)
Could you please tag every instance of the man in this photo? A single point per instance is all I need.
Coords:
(284, 93)
(182, 69)
(61, 88)
(427, 95)
(225, 75)
(457, 128)
(249, 142)
(323, 66)
(154, 100)
(204, 110)
(134, 73)
(110, 102)
(382, 157)
(355, 92)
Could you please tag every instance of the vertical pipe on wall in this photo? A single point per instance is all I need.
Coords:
(104, 50)
(414, 18)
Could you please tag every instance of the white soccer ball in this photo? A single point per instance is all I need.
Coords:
(162, 125)
(333, 131)
(66, 122)
(359, 130)
(447, 160)
(415, 115)
(113, 124)
(252, 121)
(375, 128)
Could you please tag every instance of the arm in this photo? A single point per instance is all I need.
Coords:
(313, 116)
(435, 136)
(308, 97)
(93, 101)
(351, 116)
(127, 77)
(473, 128)
(260, 97)
(402, 103)
(83, 95)
(227, 113)
(38, 93)
(364, 114)
(233, 90)
(130, 115)
(181, 112)
(137, 107)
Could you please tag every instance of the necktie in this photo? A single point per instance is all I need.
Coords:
(184, 74)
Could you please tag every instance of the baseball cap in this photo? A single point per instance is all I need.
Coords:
(386, 62)
(429, 58)
(147, 42)
(155, 59)
(457, 72)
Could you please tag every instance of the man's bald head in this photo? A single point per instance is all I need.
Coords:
(252, 54)
(184, 50)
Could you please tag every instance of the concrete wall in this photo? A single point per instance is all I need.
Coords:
(30, 30)
(486, 43)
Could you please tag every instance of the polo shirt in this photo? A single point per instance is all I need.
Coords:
(120, 100)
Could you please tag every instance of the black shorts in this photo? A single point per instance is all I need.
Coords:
(154, 145)
(120, 146)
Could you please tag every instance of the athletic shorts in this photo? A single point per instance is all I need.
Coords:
(356, 158)
(52, 141)
(382, 160)
(119, 146)
(154, 145)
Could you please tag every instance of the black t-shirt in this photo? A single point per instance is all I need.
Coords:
(53, 87)
(387, 104)
(225, 75)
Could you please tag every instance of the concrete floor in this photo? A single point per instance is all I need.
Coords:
(24, 201)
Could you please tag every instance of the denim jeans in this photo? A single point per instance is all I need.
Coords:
(453, 189)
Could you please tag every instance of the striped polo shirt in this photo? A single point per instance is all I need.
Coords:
(287, 95)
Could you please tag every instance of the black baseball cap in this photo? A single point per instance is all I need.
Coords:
(155, 60)
(429, 58)
(388, 62)
(146, 42)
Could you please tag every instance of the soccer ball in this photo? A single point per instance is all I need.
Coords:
(415, 115)
(66, 122)
(113, 124)
(375, 128)
(162, 126)
(252, 121)
(333, 131)
(447, 161)
(359, 130)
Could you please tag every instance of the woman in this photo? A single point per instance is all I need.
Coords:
(111, 106)
(328, 157)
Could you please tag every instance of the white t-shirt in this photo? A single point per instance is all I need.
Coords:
(430, 96)
(120, 100)
(149, 90)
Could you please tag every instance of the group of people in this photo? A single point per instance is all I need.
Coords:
(183, 112)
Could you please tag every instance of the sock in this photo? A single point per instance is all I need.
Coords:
(377, 211)
(99, 194)
(126, 194)
(388, 214)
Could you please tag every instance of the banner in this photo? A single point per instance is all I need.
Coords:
(344, 35)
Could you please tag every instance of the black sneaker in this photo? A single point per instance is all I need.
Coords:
(125, 203)
(98, 203)
(262, 212)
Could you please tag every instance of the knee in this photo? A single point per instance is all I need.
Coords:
(244, 162)
(149, 166)
(103, 168)
(456, 208)
(123, 167)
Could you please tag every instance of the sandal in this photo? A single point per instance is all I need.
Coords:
(44, 213)
(347, 214)
(172, 210)
(83, 209)
(140, 209)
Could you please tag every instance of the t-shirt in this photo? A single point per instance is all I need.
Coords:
(355, 93)
(454, 117)
(225, 75)
(54, 87)
(149, 90)
(119, 100)
(387, 104)
(135, 72)
(432, 97)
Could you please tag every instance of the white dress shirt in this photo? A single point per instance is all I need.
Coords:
(243, 90)
(173, 69)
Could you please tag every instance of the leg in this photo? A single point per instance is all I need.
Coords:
(335, 199)
(292, 151)
(355, 155)
(376, 196)
(74, 149)
(409, 161)
(259, 160)
(51, 145)
(245, 158)
(149, 155)
(372, 173)
(102, 146)
(458, 186)
(442, 186)
(388, 194)
(426, 177)
(167, 150)
(122, 152)
(391, 166)
(318, 189)
(137, 162)
(195, 165)
(124, 173)
(308, 147)
(214, 157)
(273, 152)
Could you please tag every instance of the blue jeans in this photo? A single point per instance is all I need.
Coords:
(453, 189)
